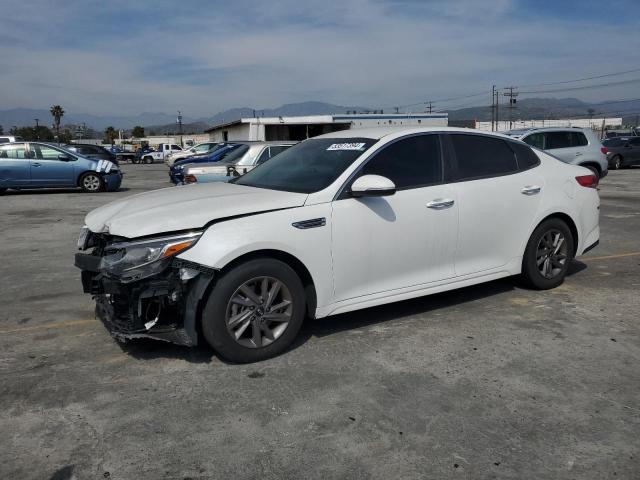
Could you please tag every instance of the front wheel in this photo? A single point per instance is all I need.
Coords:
(254, 311)
(91, 182)
(148, 160)
(548, 254)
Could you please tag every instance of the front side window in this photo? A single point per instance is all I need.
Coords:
(409, 162)
(479, 156)
(235, 155)
(175, 147)
(635, 142)
(309, 166)
(43, 152)
(16, 152)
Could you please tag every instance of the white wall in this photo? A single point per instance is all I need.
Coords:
(239, 131)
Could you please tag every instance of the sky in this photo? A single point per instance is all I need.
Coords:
(204, 56)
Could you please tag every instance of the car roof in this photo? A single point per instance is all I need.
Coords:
(376, 133)
(549, 129)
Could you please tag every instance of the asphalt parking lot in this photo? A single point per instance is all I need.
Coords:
(492, 381)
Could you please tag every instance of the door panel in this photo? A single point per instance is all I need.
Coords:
(48, 170)
(386, 243)
(495, 218)
(15, 168)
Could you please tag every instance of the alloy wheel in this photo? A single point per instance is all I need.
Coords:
(91, 183)
(551, 254)
(259, 312)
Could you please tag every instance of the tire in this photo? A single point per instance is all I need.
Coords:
(616, 162)
(91, 182)
(148, 160)
(593, 169)
(551, 272)
(252, 317)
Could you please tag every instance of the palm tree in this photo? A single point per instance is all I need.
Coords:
(57, 113)
(110, 134)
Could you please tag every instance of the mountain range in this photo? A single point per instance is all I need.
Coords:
(159, 123)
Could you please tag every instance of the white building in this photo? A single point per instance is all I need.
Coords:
(302, 127)
(593, 123)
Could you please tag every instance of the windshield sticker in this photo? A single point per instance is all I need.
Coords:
(346, 146)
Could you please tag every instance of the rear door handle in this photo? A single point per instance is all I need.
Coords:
(531, 190)
(578, 154)
(440, 203)
(36, 164)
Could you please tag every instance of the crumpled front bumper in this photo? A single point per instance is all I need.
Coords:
(163, 307)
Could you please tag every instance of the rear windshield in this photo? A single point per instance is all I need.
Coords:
(309, 166)
(614, 142)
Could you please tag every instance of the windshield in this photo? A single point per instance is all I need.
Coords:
(309, 166)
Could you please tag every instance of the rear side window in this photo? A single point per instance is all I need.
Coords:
(478, 156)
(13, 151)
(409, 163)
(535, 140)
(526, 157)
(578, 139)
(635, 142)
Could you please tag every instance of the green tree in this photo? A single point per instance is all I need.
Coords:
(137, 132)
(32, 133)
(110, 135)
(57, 113)
(1, 130)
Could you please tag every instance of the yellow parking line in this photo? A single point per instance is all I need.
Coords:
(67, 323)
(607, 257)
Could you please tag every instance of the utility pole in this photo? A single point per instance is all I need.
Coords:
(429, 107)
(512, 103)
(493, 108)
(37, 128)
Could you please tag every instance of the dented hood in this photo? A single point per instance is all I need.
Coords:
(182, 208)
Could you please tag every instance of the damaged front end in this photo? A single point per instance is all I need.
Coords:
(141, 289)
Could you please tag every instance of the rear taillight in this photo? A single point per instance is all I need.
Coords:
(604, 150)
(589, 181)
(190, 179)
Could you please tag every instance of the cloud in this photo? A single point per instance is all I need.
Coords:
(201, 57)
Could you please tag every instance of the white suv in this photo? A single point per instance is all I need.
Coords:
(336, 223)
(579, 146)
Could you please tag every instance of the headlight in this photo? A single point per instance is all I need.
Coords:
(131, 261)
(195, 170)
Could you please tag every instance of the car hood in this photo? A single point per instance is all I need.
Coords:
(182, 208)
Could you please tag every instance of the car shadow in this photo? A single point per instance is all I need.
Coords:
(49, 191)
(147, 349)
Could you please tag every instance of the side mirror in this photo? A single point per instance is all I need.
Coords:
(372, 186)
(65, 158)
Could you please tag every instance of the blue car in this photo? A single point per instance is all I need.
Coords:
(176, 172)
(40, 165)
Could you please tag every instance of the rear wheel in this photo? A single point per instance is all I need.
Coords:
(616, 162)
(91, 182)
(148, 160)
(254, 311)
(548, 254)
(593, 169)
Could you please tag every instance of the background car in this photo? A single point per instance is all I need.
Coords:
(10, 138)
(40, 165)
(200, 149)
(622, 151)
(578, 146)
(235, 164)
(176, 171)
(91, 151)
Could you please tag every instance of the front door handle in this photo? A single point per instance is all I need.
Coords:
(440, 203)
(531, 190)
(36, 164)
(578, 154)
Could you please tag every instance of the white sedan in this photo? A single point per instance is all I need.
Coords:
(337, 223)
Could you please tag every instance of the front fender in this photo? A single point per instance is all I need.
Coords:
(228, 240)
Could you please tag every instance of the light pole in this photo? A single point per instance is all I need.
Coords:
(37, 127)
(179, 122)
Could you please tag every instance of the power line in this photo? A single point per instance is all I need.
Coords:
(585, 87)
(581, 79)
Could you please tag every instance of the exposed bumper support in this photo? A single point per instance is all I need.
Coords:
(163, 307)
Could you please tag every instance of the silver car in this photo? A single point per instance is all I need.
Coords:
(237, 163)
(578, 146)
